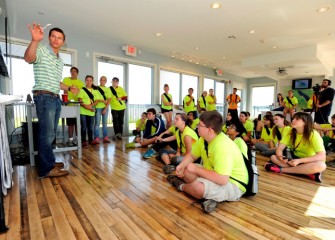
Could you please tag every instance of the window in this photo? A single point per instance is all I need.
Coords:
(173, 80)
(177, 80)
(208, 84)
(262, 99)
(140, 84)
(22, 75)
(189, 81)
(111, 70)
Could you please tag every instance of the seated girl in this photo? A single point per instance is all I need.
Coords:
(140, 125)
(234, 131)
(308, 152)
(185, 137)
(248, 125)
(327, 132)
(264, 142)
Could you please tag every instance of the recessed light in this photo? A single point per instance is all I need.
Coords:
(252, 31)
(323, 9)
(332, 34)
(158, 34)
(172, 56)
(223, 58)
(274, 46)
(216, 5)
(197, 48)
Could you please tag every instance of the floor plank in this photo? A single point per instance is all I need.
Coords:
(112, 193)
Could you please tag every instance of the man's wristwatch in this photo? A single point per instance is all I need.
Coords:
(69, 89)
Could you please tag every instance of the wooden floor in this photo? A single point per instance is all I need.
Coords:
(112, 193)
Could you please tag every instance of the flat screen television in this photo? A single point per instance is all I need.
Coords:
(305, 83)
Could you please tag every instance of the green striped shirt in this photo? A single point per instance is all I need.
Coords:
(48, 69)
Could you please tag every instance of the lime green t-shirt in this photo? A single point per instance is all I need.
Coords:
(75, 83)
(166, 100)
(210, 103)
(302, 148)
(283, 131)
(187, 132)
(294, 101)
(242, 146)
(86, 100)
(224, 128)
(201, 102)
(329, 133)
(224, 157)
(195, 123)
(108, 94)
(138, 122)
(116, 104)
(249, 126)
(265, 136)
(189, 108)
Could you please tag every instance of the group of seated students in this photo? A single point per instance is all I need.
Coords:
(296, 147)
(207, 154)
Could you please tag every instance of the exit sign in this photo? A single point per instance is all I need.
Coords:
(130, 50)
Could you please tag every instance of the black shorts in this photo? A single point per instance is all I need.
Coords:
(165, 110)
(71, 121)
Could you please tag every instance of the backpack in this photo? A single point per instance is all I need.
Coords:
(252, 186)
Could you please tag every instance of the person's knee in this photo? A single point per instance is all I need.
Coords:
(320, 166)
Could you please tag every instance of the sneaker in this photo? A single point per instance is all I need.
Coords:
(317, 177)
(113, 138)
(150, 153)
(75, 142)
(272, 167)
(130, 145)
(85, 144)
(106, 140)
(209, 205)
(95, 141)
(56, 172)
(169, 168)
(175, 181)
(118, 136)
(59, 165)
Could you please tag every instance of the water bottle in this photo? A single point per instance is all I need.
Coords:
(141, 135)
(255, 170)
(288, 154)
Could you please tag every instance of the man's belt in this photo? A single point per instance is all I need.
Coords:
(38, 92)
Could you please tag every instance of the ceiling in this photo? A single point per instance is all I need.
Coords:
(288, 34)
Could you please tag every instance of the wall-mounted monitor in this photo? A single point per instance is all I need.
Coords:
(305, 83)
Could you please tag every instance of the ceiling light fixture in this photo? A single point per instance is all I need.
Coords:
(158, 34)
(323, 9)
(223, 58)
(252, 31)
(215, 5)
(197, 48)
(274, 46)
(332, 34)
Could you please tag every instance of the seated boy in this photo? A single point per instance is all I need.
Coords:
(153, 128)
(222, 161)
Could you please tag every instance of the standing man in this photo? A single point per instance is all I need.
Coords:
(118, 106)
(233, 99)
(72, 81)
(48, 67)
(188, 103)
(324, 106)
(223, 166)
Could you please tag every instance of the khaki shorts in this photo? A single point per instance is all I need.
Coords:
(219, 193)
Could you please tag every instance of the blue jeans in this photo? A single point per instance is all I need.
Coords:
(87, 125)
(48, 109)
(98, 115)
